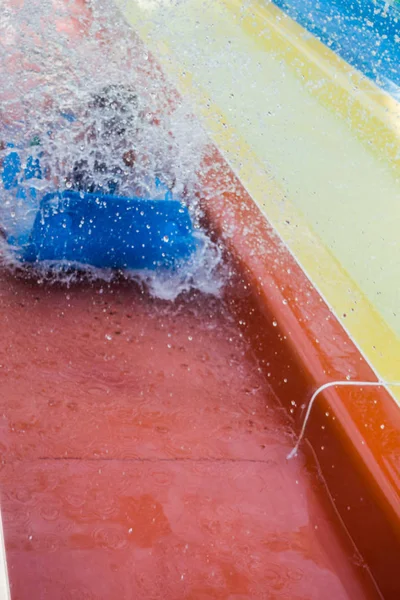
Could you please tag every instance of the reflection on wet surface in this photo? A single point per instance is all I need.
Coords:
(143, 456)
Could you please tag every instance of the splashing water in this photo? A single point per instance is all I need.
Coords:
(81, 92)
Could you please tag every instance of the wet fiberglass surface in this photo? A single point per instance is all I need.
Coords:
(143, 451)
(365, 33)
(144, 456)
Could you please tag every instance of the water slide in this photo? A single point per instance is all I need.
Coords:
(232, 432)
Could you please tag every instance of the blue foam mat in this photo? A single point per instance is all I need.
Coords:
(102, 230)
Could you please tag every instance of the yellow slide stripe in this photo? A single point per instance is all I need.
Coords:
(372, 113)
(365, 325)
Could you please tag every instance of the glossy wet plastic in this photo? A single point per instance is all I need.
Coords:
(144, 456)
(353, 432)
(144, 446)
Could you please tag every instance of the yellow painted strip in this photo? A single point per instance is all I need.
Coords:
(373, 114)
(380, 345)
(363, 322)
